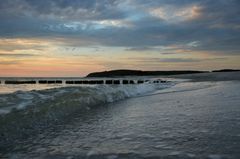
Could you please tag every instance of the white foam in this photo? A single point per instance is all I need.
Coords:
(87, 95)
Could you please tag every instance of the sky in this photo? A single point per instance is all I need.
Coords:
(76, 37)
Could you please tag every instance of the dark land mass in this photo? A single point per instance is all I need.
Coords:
(117, 73)
(225, 70)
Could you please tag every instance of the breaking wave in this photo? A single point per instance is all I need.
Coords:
(84, 97)
(37, 108)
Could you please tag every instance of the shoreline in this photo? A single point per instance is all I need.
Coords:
(212, 76)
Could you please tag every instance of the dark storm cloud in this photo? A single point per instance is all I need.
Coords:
(63, 9)
(126, 23)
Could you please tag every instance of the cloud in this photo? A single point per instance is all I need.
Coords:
(173, 60)
(9, 62)
(175, 14)
(16, 55)
(143, 48)
(64, 9)
(8, 44)
(137, 25)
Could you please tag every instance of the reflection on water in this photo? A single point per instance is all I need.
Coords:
(202, 123)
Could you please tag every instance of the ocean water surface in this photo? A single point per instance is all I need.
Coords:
(180, 119)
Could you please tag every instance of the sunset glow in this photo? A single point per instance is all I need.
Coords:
(75, 38)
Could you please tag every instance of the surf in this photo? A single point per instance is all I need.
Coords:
(25, 111)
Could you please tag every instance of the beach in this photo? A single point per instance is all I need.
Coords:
(196, 116)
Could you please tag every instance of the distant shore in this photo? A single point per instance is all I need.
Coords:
(210, 76)
(121, 73)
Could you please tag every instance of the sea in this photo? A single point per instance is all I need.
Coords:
(176, 119)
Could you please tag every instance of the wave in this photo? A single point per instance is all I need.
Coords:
(35, 100)
(37, 108)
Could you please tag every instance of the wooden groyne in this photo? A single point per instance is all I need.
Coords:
(20, 82)
(82, 81)
(50, 82)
